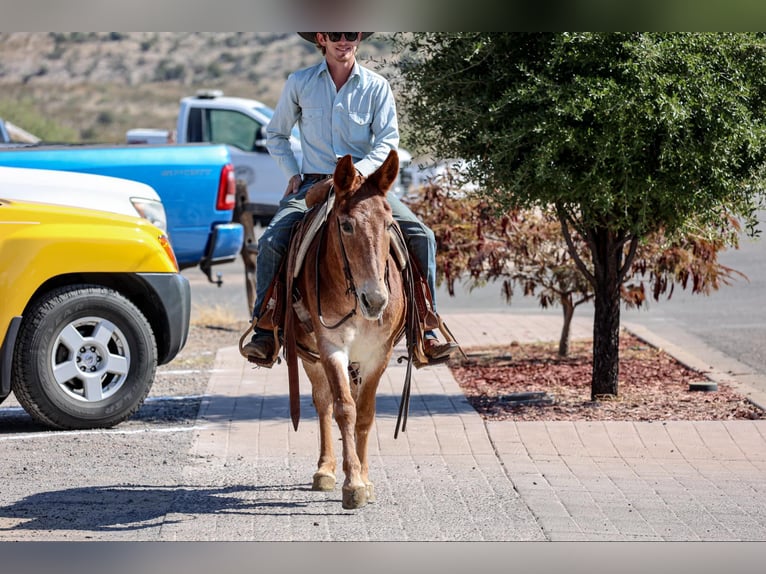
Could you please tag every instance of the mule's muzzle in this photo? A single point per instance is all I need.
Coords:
(373, 303)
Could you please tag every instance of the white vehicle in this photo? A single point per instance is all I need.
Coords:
(211, 117)
(451, 174)
(86, 190)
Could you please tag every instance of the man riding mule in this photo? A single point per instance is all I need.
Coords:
(341, 108)
(351, 295)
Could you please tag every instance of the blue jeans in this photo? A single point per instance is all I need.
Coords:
(275, 240)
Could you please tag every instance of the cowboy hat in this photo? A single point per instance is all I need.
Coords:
(312, 36)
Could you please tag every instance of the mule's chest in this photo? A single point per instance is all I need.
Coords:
(365, 343)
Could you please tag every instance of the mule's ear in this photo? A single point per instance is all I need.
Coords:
(345, 175)
(385, 175)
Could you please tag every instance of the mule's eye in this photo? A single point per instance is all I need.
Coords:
(347, 227)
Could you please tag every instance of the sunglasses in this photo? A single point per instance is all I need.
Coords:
(336, 36)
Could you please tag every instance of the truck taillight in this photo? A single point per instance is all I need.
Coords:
(227, 189)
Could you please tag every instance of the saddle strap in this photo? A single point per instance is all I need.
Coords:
(309, 227)
(291, 356)
(410, 331)
(291, 351)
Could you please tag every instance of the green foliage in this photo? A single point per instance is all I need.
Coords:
(625, 130)
(105, 117)
(148, 44)
(73, 37)
(167, 71)
(25, 113)
(235, 40)
(213, 70)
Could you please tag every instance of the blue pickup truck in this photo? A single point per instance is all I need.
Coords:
(195, 182)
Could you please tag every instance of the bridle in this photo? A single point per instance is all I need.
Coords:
(350, 287)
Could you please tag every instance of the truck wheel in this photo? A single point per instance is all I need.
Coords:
(85, 358)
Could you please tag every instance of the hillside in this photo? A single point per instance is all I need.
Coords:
(93, 86)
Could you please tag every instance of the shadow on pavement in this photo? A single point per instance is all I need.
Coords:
(276, 407)
(135, 507)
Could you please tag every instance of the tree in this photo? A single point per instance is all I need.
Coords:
(624, 134)
(525, 249)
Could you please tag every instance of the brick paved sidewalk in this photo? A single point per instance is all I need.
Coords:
(451, 476)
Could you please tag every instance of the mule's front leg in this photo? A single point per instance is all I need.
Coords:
(365, 417)
(354, 487)
(324, 477)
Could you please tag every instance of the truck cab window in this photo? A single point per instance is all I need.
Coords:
(195, 131)
(232, 128)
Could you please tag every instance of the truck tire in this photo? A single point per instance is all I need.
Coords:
(85, 358)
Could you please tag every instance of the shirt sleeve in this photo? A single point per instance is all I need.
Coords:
(278, 131)
(385, 130)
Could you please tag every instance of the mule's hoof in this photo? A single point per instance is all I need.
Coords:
(323, 482)
(370, 492)
(354, 497)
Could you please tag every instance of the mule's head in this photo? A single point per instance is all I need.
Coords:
(364, 218)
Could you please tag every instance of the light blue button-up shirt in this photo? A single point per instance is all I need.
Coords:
(359, 120)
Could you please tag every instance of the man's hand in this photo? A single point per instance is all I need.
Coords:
(293, 185)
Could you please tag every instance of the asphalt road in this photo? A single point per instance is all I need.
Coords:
(731, 320)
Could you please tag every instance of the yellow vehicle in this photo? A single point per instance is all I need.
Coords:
(90, 303)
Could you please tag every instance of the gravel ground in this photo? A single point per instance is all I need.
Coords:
(179, 385)
(108, 484)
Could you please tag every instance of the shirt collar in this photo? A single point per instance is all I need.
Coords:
(355, 71)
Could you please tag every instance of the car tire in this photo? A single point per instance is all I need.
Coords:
(85, 358)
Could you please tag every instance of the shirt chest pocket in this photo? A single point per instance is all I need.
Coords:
(359, 126)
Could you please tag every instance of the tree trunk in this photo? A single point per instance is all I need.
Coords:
(610, 264)
(568, 307)
(607, 261)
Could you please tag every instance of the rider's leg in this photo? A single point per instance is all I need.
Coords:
(272, 247)
(420, 239)
(422, 242)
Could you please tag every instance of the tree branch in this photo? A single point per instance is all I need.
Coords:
(623, 272)
(564, 220)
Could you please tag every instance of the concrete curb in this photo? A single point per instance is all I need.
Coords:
(697, 355)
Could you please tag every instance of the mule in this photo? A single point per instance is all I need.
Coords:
(355, 298)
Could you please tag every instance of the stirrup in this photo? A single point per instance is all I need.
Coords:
(420, 359)
(268, 363)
